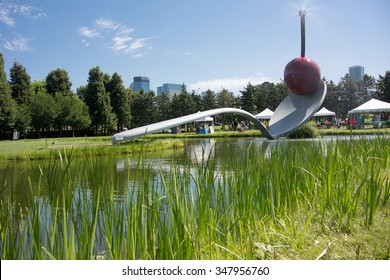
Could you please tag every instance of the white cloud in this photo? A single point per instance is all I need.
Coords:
(136, 45)
(5, 17)
(29, 11)
(85, 43)
(232, 84)
(106, 23)
(110, 25)
(120, 43)
(119, 36)
(18, 44)
(9, 13)
(89, 33)
(9, 10)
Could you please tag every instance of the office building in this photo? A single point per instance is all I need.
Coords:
(170, 89)
(140, 83)
(265, 85)
(356, 72)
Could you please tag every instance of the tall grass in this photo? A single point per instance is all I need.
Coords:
(280, 200)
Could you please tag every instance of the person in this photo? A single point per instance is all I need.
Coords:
(235, 124)
(351, 122)
(347, 121)
(335, 120)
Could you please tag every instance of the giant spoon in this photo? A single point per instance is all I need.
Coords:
(302, 76)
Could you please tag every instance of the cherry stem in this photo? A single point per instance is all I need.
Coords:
(302, 14)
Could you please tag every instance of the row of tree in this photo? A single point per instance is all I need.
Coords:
(105, 104)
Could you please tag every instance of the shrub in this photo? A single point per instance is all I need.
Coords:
(307, 130)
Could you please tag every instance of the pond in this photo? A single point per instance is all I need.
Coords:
(167, 204)
(23, 174)
(21, 177)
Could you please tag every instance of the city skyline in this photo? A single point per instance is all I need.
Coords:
(203, 44)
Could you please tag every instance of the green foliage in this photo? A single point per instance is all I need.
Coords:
(247, 99)
(98, 102)
(383, 87)
(57, 81)
(7, 112)
(7, 104)
(43, 110)
(142, 108)
(163, 107)
(120, 101)
(209, 101)
(20, 83)
(307, 130)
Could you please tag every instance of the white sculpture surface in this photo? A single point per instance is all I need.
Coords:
(294, 111)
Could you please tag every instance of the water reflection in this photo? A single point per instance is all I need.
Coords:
(21, 179)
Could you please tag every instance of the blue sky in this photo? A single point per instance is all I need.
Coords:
(206, 44)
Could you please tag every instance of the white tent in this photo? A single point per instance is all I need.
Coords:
(373, 105)
(265, 114)
(324, 112)
(205, 119)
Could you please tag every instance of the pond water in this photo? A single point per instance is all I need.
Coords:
(19, 179)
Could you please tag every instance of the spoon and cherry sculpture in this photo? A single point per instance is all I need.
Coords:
(307, 92)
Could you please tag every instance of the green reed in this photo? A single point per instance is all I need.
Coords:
(280, 198)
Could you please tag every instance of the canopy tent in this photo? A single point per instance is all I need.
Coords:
(373, 105)
(205, 119)
(265, 114)
(324, 112)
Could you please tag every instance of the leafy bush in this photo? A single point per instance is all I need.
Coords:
(307, 130)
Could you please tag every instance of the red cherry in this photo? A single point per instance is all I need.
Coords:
(302, 76)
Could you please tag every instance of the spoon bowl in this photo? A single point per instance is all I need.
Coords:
(295, 110)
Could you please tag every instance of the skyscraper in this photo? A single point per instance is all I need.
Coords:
(170, 89)
(356, 72)
(140, 83)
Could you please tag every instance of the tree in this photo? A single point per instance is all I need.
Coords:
(365, 89)
(142, 108)
(20, 83)
(7, 112)
(78, 117)
(120, 102)
(7, 104)
(209, 100)
(247, 98)
(43, 110)
(277, 93)
(98, 102)
(347, 90)
(38, 86)
(182, 104)
(333, 97)
(58, 81)
(196, 102)
(163, 106)
(383, 87)
(225, 99)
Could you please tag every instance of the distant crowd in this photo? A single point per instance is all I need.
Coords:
(355, 121)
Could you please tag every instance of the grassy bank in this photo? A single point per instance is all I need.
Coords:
(327, 200)
(31, 149)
